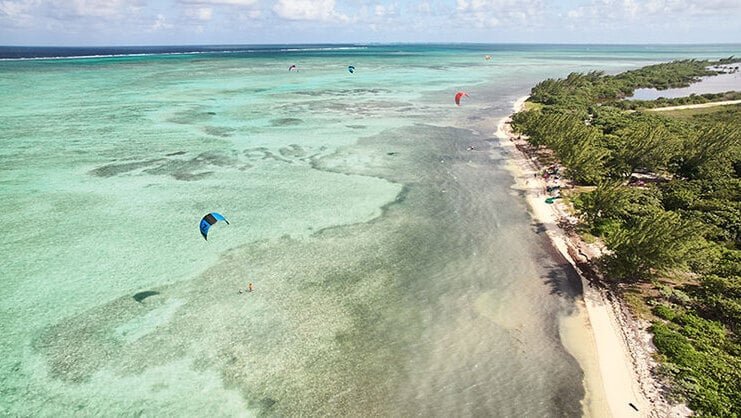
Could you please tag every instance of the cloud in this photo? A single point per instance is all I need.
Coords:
(68, 9)
(575, 14)
(14, 8)
(382, 10)
(490, 13)
(424, 7)
(427, 8)
(16, 14)
(711, 7)
(318, 10)
(634, 10)
(200, 13)
(203, 10)
(228, 13)
(160, 23)
(98, 8)
(130, 21)
(248, 3)
(71, 16)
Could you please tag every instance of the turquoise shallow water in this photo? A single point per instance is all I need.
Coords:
(395, 272)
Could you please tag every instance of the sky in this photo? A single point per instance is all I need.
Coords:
(201, 22)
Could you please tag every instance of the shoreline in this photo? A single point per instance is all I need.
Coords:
(612, 346)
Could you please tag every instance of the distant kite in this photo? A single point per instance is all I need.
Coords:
(293, 67)
(458, 97)
(209, 220)
(351, 69)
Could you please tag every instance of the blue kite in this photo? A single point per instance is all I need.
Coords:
(351, 68)
(209, 220)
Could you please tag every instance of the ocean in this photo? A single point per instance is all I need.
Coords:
(395, 271)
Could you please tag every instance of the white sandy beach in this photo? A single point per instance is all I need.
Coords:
(620, 375)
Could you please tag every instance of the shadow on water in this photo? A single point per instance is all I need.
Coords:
(266, 405)
(562, 277)
(191, 169)
(139, 297)
(539, 228)
(564, 281)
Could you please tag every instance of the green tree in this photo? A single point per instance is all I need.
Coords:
(655, 243)
(583, 157)
(607, 201)
(645, 147)
(712, 153)
(719, 298)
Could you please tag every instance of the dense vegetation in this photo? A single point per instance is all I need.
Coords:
(579, 91)
(667, 204)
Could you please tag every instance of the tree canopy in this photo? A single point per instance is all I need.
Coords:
(667, 200)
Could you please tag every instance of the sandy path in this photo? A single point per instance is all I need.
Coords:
(694, 106)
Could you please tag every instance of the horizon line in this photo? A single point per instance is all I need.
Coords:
(373, 44)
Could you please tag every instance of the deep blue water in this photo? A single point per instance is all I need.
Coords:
(21, 52)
